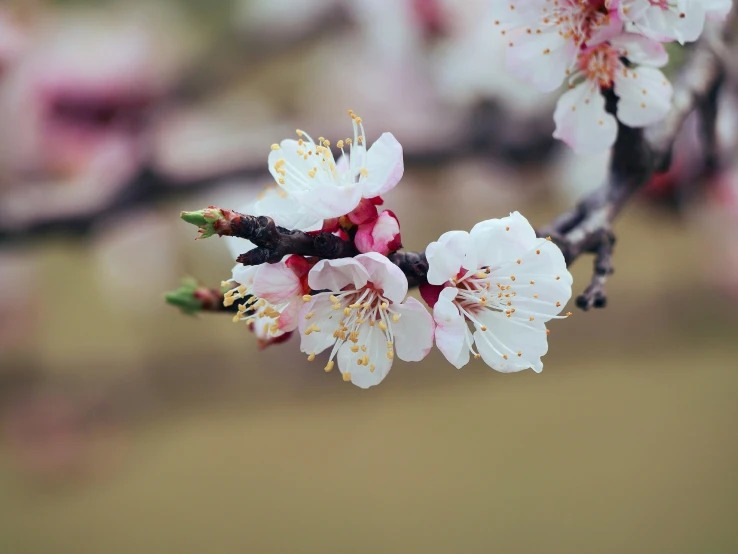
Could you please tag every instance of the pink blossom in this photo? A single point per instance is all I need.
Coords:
(381, 235)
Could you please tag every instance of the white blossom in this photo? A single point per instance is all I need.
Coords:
(507, 283)
(327, 188)
(362, 318)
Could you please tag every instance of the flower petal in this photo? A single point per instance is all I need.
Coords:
(540, 58)
(498, 241)
(327, 200)
(321, 313)
(335, 275)
(543, 284)
(452, 251)
(384, 275)
(645, 96)
(509, 345)
(285, 210)
(245, 274)
(451, 329)
(641, 50)
(277, 283)
(582, 122)
(384, 165)
(379, 364)
(413, 331)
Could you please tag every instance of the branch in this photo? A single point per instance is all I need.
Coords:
(272, 241)
(585, 229)
(637, 155)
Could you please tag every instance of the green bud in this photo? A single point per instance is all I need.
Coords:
(205, 220)
(184, 297)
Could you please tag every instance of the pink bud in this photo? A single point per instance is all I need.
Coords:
(365, 212)
(381, 235)
(329, 225)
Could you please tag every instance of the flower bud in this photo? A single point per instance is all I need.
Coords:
(381, 235)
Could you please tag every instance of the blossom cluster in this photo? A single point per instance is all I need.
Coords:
(491, 290)
(599, 45)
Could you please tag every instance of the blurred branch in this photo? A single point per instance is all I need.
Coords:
(637, 155)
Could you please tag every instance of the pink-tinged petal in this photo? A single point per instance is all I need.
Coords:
(607, 32)
(384, 165)
(335, 275)
(413, 331)
(452, 251)
(641, 50)
(540, 58)
(319, 312)
(499, 241)
(277, 283)
(451, 329)
(365, 376)
(365, 212)
(645, 96)
(288, 320)
(384, 275)
(381, 235)
(582, 122)
(509, 345)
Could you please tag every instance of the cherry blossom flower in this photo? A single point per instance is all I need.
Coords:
(362, 318)
(669, 20)
(544, 36)
(503, 280)
(273, 291)
(645, 93)
(328, 188)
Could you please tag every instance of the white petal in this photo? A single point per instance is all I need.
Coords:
(245, 274)
(452, 251)
(536, 287)
(334, 275)
(366, 376)
(582, 122)
(645, 96)
(499, 241)
(327, 200)
(641, 50)
(507, 337)
(277, 283)
(384, 165)
(286, 211)
(451, 329)
(384, 275)
(413, 331)
(325, 317)
(540, 58)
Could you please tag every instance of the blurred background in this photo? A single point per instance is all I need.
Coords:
(127, 427)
